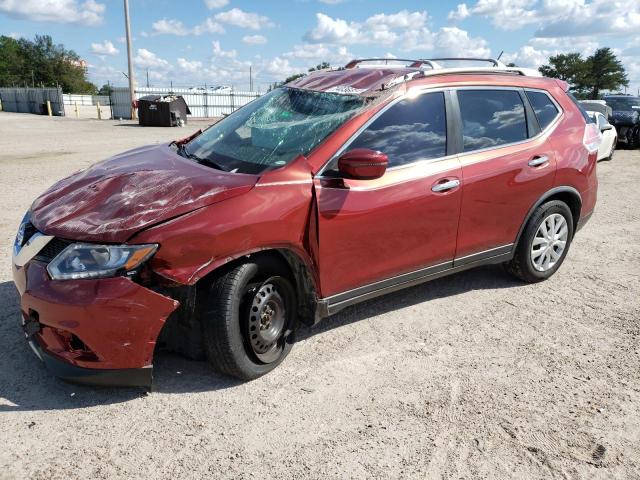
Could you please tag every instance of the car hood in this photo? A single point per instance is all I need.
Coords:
(114, 199)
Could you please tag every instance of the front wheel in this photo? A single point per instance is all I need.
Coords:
(249, 320)
(613, 149)
(544, 243)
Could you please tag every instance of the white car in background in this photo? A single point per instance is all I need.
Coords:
(609, 136)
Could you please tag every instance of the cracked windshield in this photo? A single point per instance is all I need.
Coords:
(272, 131)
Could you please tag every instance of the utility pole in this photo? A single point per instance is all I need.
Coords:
(147, 78)
(132, 82)
(250, 80)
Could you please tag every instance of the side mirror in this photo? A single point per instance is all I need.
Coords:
(606, 127)
(363, 164)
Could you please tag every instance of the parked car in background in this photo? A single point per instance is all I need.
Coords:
(626, 118)
(336, 188)
(609, 136)
(597, 106)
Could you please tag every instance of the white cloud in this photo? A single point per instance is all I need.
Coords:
(537, 51)
(176, 27)
(314, 53)
(208, 26)
(189, 66)
(407, 31)
(213, 4)
(454, 42)
(219, 52)
(281, 68)
(169, 27)
(148, 59)
(59, 11)
(331, 2)
(104, 48)
(254, 39)
(460, 13)
(558, 18)
(332, 30)
(240, 18)
(378, 29)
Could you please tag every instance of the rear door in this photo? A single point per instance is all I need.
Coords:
(371, 230)
(507, 164)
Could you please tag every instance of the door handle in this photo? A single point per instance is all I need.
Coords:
(539, 160)
(445, 186)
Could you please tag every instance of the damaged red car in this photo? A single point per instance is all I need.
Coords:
(336, 188)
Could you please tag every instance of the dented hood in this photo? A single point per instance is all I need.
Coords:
(115, 198)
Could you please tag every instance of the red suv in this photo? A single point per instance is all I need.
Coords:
(341, 186)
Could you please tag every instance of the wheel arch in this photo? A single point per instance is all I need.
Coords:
(564, 193)
(300, 268)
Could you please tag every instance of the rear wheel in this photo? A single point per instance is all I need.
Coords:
(544, 243)
(249, 320)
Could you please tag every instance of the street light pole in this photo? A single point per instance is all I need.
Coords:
(132, 82)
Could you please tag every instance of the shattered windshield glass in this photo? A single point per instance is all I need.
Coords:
(272, 130)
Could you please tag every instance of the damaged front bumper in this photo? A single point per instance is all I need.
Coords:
(124, 377)
(100, 331)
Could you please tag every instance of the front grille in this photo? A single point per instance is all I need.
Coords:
(52, 249)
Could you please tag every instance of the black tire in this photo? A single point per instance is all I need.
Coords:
(613, 150)
(521, 265)
(227, 319)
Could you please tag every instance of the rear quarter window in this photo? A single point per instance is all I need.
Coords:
(543, 107)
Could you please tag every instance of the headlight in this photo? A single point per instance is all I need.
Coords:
(85, 260)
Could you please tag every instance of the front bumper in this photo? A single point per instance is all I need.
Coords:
(125, 377)
(100, 331)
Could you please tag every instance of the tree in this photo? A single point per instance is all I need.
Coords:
(605, 72)
(105, 89)
(587, 77)
(569, 67)
(41, 62)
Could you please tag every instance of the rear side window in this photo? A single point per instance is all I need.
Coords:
(544, 108)
(409, 131)
(491, 118)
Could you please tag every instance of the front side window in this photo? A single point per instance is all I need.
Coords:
(272, 130)
(543, 107)
(411, 130)
(491, 118)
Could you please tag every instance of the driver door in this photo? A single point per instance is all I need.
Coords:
(406, 220)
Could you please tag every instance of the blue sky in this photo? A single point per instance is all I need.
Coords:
(215, 41)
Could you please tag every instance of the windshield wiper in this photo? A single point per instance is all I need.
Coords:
(207, 161)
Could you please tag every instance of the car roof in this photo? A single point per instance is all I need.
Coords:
(371, 80)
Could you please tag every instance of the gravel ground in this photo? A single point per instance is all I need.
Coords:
(470, 376)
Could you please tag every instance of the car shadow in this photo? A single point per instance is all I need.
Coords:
(481, 278)
(25, 384)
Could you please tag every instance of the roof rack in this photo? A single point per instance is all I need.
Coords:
(413, 63)
(433, 67)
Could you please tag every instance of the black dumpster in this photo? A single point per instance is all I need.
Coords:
(162, 111)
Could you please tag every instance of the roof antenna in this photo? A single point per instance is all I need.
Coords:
(500, 55)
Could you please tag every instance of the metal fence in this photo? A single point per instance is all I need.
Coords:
(32, 100)
(85, 100)
(202, 103)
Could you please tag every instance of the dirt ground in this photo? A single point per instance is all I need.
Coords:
(470, 376)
